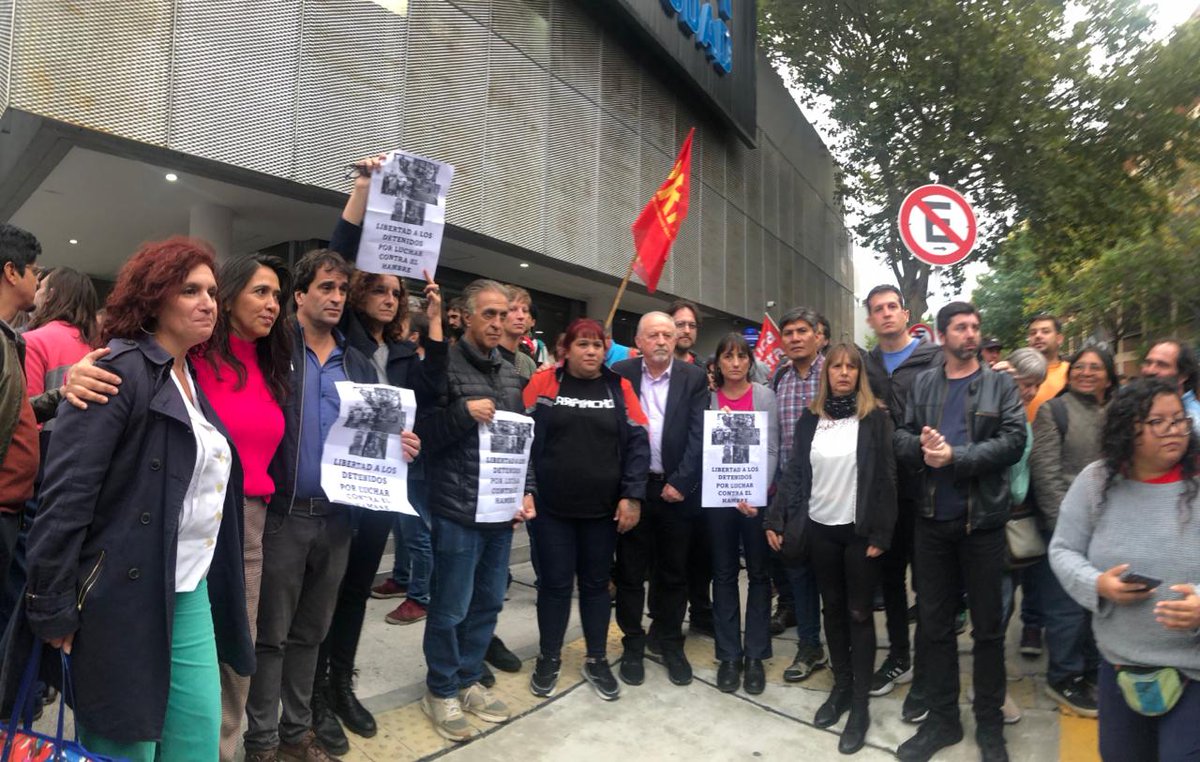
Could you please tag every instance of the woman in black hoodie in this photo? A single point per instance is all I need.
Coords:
(836, 509)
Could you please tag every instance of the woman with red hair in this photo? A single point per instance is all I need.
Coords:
(591, 454)
(135, 559)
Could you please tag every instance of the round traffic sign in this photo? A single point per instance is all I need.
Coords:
(937, 225)
(922, 331)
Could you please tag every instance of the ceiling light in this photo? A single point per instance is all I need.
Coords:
(73, 241)
(172, 177)
(524, 264)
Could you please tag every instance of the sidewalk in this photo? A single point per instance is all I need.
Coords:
(660, 721)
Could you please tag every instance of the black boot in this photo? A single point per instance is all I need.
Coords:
(325, 723)
(854, 735)
(834, 707)
(347, 707)
(500, 657)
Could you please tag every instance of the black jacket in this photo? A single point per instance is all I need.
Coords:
(282, 468)
(996, 426)
(102, 552)
(875, 496)
(683, 423)
(450, 436)
(893, 391)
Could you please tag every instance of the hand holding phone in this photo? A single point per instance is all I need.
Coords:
(1146, 583)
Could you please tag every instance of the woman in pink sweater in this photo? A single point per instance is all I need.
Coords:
(243, 370)
(63, 328)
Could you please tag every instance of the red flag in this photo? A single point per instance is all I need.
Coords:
(658, 224)
(769, 348)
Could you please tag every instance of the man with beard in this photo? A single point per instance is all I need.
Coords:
(687, 328)
(1046, 336)
(963, 428)
(1174, 360)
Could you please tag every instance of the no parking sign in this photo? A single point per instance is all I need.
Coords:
(937, 225)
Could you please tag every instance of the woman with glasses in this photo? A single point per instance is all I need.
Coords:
(1125, 549)
(1066, 438)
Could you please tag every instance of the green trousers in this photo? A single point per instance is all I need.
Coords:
(192, 726)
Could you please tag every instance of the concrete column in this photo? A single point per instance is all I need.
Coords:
(213, 223)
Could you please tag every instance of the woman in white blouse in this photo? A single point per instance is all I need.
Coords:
(839, 495)
(135, 559)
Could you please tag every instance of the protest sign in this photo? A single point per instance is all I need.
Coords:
(504, 446)
(363, 460)
(735, 459)
(406, 215)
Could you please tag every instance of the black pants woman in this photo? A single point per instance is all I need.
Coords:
(839, 494)
(591, 455)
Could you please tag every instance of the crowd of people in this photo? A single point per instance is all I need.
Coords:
(163, 520)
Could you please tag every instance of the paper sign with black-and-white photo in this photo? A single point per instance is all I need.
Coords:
(735, 459)
(504, 446)
(406, 215)
(363, 460)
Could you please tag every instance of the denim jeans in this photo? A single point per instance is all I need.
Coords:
(1070, 647)
(470, 572)
(412, 532)
(573, 549)
(947, 557)
(728, 530)
(806, 599)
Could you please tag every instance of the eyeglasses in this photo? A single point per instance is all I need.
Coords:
(682, 324)
(1085, 367)
(1164, 427)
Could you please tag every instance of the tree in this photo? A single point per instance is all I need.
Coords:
(1004, 295)
(1063, 128)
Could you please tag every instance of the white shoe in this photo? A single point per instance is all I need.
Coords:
(480, 702)
(447, 717)
(1010, 710)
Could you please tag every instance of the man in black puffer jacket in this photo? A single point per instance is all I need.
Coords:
(470, 558)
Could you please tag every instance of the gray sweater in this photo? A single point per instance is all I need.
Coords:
(1140, 526)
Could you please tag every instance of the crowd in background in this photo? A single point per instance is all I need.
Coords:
(163, 520)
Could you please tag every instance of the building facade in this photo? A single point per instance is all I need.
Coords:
(561, 118)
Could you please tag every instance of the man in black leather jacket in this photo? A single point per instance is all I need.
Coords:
(963, 427)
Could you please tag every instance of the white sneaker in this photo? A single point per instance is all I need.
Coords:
(480, 702)
(447, 717)
(1010, 710)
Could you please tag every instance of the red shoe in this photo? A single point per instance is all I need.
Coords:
(389, 589)
(406, 613)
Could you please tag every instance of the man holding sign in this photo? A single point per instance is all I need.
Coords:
(479, 484)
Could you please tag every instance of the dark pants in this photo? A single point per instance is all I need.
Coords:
(728, 530)
(948, 557)
(13, 531)
(569, 550)
(700, 575)
(659, 543)
(366, 551)
(304, 558)
(470, 575)
(1126, 736)
(1070, 646)
(847, 579)
(894, 570)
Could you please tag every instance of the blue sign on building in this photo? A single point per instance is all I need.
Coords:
(708, 22)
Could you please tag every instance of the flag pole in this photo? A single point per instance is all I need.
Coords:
(620, 292)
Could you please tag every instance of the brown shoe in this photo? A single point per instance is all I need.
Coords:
(262, 755)
(308, 750)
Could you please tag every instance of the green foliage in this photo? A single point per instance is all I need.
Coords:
(1005, 294)
(1069, 130)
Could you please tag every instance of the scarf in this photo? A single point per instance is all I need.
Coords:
(838, 408)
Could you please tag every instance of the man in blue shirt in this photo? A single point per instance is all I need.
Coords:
(1175, 360)
(307, 538)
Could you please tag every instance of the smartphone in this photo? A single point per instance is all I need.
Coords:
(1147, 583)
